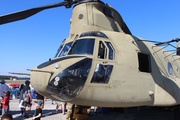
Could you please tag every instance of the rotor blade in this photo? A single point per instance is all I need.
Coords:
(19, 73)
(148, 40)
(173, 40)
(27, 13)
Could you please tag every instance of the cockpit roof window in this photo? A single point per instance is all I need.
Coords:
(83, 46)
(94, 33)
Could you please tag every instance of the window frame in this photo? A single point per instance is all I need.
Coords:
(112, 48)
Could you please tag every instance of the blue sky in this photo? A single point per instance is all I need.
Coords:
(27, 43)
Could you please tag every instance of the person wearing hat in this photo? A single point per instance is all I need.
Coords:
(3, 88)
(39, 97)
(38, 111)
(5, 103)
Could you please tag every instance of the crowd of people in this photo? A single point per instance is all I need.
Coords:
(26, 97)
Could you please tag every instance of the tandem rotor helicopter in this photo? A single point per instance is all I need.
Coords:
(102, 64)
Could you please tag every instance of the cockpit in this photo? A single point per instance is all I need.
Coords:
(69, 83)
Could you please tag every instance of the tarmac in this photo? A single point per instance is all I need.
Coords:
(137, 113)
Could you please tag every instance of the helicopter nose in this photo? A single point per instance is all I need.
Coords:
(68, 84)
(39, 80)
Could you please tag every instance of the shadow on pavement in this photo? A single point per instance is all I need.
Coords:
(17, 116)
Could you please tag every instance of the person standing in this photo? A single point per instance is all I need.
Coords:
(13, 93)
(27, 100)
(21, 99)
(70, 111)
(63, 107)
(3, 88)
(5, 103)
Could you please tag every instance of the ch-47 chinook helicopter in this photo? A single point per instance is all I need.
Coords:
(102, 64)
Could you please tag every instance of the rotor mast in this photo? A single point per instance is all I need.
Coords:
(96, 15)
(88, 14)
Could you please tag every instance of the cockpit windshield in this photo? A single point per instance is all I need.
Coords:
(82, 46)
(65, 49)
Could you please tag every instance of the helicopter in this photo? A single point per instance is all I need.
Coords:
(101, 63)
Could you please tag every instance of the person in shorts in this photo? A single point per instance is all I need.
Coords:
(27, 100)
(63, 107)
(5, 103)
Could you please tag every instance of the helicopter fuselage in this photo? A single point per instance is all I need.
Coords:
(102, 64)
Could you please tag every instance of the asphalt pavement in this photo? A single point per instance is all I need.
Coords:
(140, 113)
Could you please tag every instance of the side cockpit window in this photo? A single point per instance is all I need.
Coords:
(106, 51)
(102, 51)
(111, 51)
(102, 73)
